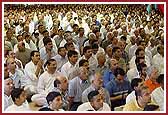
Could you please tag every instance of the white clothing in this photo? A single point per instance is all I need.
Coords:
(158, 62)
(87, 106)
(67, 69)
(7, 101)
(130, 97)
(158, 97)
(31, 79)
(23, 107)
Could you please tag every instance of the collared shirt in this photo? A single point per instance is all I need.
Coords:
(7, 101)
(132, 106)
(87, 107)
(158, 97)
(46, 82)
(14, 107)
(108, 76)
(92, 88)
(131, 97)
(44, 55)
(76, 88)
(67, 68)
(17, 78)
(158, 62)
(30, 76)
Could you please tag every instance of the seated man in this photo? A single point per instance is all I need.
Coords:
(19, 98)
(54, 101)
(95, 103)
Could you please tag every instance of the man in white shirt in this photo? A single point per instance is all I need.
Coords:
(46, 82)
(158, 94)
(15, 74)
(158, 59)
(8, 87)
(19, 98)
(32, 71)
(61, 57)
(136, 83)
(95, 103)
(68, 67)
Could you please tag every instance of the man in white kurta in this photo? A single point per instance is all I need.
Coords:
(46, 83)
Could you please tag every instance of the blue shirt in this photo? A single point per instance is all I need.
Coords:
(108, 76)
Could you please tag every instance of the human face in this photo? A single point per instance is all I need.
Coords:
(114, 64)
(6, 72)
(141, 54)
(97, 102)
(49, 46)
(73, 59)
(36, 57)
(120, 78)
(145, 95)
(22, 98)
(11, 64)
(98, 81)
(57, 103)
(8, 86)
(12, 54)
(62, 52)
(52, 66)
(84, 73)
(64, 83)
(88, 53)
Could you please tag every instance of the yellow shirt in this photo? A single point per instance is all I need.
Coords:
(132, 106)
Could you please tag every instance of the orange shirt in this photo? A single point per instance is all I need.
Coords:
(152, 85)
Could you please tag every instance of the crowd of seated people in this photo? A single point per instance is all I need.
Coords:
(83, 57)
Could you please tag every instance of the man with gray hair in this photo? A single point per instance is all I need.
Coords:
(97, 83)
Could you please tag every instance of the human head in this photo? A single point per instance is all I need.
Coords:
(21, 46)
(61, 82)
(113, 64)
(35, 56)
(84, 63)
(11, 64)
(48, 43)
(136, 83)
(160, 80)
(8, 86)
(62, 51)
(116, 52)
(54, 100)
(18, 96)
(87, 51)
(119, 74)
(143, 95)
(95, 100)
(51, 65)
(72, 57)
(83, 73)
(97, 80)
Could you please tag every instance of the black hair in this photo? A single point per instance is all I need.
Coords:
(48, 62)
(71, 53)
(46, 40)
(160, 79)
(60, 48)
(151, 107)
(135, 82)
(86, 48)
(51, 96)
(119, 71)
(95, 46)
(141, 66)
(82, 61)
(115, 48)
(16, 92)
(33, 52)
(92, 94)
(138, 50)
(56, 82)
